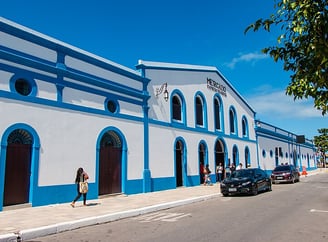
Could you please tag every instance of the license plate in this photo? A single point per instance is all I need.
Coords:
(279, 178)
(232, 189)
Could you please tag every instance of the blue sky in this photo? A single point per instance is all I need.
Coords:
(207, 32)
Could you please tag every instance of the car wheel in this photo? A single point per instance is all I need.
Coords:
(225, 194)
(255, 190)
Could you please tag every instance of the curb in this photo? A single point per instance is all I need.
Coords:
(28, 234)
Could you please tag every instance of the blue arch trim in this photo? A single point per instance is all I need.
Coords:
(248, 162)
(123, 159)
(234, 121)
(224, 150)
(183, 107)
(221, 112)
(202, 97)
(35, 155)
(184, 160)
(244, 119)
(235, 149)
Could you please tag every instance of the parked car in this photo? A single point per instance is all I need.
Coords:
(285, 173)
(246, 181)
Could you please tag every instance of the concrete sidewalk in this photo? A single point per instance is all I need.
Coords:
(33, 222)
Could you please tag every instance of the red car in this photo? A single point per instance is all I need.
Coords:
(285, 173)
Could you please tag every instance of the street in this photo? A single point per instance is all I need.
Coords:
(290, 212)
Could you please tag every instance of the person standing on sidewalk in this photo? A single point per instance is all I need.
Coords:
(207, 178)
(239, 167)
(81, 176)
(219, 171)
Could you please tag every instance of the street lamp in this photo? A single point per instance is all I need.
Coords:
(161, 89)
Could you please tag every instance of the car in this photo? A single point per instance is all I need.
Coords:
(285, 174)
(246, 181)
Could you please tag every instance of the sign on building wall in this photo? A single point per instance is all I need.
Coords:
(216, 87)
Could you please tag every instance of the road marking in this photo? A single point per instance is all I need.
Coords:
(318, 211)
(225, 199)
(165, 217)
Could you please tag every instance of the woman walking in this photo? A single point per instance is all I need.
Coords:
(81, 176)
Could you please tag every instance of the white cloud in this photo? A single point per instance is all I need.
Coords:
(249, 57)
(277, 103)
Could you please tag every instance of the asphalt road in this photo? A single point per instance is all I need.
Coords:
(290, 212)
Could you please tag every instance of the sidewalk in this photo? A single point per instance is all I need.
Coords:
(33, 222)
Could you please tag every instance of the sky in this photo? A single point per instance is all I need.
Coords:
(207, 32)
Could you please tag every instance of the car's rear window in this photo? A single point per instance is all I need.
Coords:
(282, 168)
(242, 173)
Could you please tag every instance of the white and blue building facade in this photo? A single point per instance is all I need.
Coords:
(63, 108)
(277, 146)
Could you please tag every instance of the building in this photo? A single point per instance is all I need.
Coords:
(133, 131)
(205, 120)
(277, 146)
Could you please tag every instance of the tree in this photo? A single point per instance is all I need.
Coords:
(302, 46)
(321, 142)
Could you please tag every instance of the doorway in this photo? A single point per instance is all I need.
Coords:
(202, 159)
(18, 168)
(179, 163)
(110, 164)
(247, 158)
(235, 156)
(220, 156)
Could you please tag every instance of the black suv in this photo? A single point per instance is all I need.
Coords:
(285, 173)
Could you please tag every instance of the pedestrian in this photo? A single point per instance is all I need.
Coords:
(81, 176)
(219, 171)
(239, 167)
(227, 171)
(232, 167)
(207, 178)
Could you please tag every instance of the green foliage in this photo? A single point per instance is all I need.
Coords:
(321, 141)
(302, 46)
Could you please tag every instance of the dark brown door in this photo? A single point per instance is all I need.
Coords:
(110, 170)
(17, 176)
(178, 167)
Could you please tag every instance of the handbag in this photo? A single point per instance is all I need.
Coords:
(83, 187)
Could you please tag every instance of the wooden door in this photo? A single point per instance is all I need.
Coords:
(178, 166)
(17, 176)
(110, 170)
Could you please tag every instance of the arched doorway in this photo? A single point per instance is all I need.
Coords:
(110, 164)
(18, 168)
(220, 155)
(202, 161)
(235, 156)
(247, 158)
(179, 163)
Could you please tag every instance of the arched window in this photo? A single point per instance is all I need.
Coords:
(177, 108)
(199, 111)
(244, 127)
(232, 121)
(217, 113)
